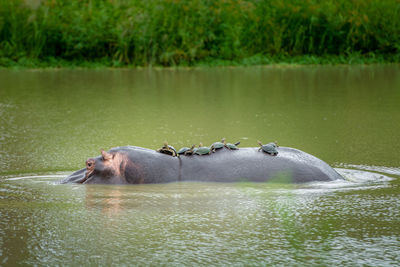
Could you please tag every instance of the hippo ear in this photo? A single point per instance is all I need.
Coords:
(105, 155)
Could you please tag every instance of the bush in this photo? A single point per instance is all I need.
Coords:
(186, 32)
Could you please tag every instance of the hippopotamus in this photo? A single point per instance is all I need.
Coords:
(136, 165)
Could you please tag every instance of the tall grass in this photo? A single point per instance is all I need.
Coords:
(186, 32)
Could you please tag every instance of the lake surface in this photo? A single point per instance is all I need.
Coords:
(51, 121)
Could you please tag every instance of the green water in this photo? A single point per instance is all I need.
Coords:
(51, 121)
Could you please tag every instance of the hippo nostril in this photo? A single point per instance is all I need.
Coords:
(89, 164)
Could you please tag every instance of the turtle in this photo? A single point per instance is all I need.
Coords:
(167, 149)
(204, 150)
(269, 148)
(218, 145)
(186, 151)
(231, 146)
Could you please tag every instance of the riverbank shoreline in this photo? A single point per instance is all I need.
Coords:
(52, 63)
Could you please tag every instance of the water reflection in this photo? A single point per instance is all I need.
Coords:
(45, 223)
(110, 201)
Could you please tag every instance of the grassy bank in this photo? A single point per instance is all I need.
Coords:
(198, 32)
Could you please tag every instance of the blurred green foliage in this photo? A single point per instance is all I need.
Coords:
(192, 32)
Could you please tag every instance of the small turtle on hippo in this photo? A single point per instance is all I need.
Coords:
(204, 150)
(231, 146)
(218, 145)
(269, 148)
(167, 149)
(187, 151)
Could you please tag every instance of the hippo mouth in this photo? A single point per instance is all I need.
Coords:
(87, 176)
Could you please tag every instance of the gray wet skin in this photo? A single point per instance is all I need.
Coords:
(136, 165)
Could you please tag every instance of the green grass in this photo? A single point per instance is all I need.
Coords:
(117, 33)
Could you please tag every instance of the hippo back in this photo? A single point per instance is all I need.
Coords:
(249, 164)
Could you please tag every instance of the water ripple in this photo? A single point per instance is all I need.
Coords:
(349, 222)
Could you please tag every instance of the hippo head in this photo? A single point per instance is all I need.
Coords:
(107, 168)
(110, 168)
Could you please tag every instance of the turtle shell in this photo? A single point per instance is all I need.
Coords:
(171, 147)
(231, 146)
(183, 150)
(270, 149)
(165, 151)
(169, 150)
(203, 150)
(218, 145)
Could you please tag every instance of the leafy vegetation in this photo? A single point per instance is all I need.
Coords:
(198, 32)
